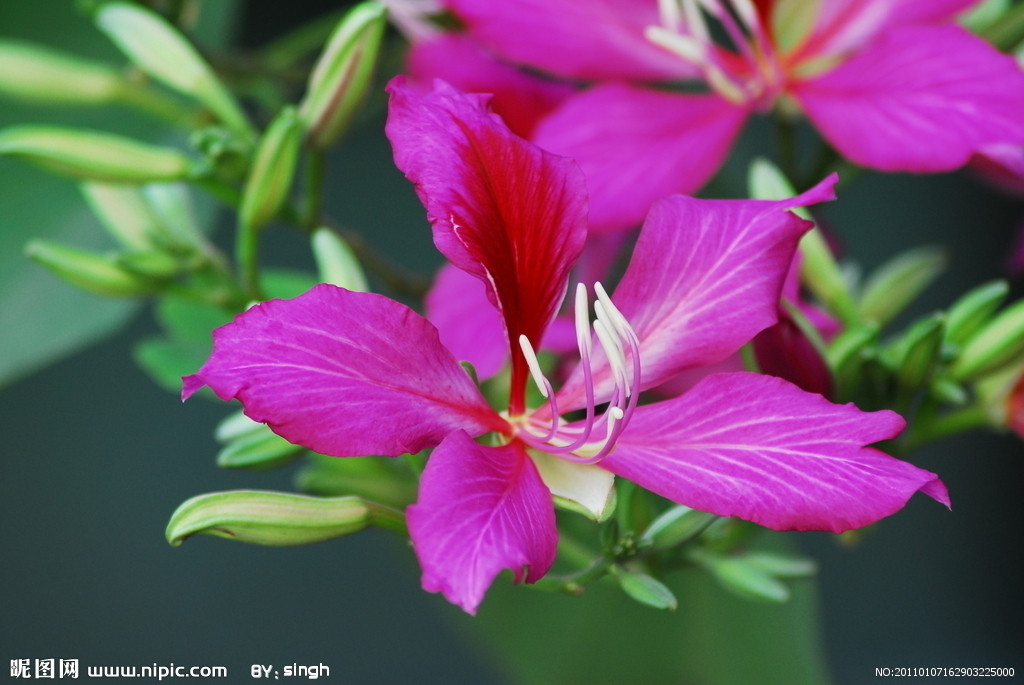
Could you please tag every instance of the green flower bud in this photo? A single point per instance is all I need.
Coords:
(94, 155)
(819, 270)
(341, 76)
(277, 519)
(272, 172)
(262, 449)
(90, 271)
(898, 282)
(974, 309)
(916, 354)
(998, 343)
(646, 590)
(41, 74)
(124, 212)
(743, 578)
(150, 264)
(335, 262)
(159, 49)
(676, 526)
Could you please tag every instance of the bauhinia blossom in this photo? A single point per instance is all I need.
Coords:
(351, 374)
(893, 85)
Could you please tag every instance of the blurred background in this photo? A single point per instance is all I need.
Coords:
(96, 456)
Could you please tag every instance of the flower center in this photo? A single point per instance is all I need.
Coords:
(591, 440)
(748, 74)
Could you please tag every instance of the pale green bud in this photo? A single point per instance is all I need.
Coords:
(335, 262)
(676, 526)
(742, 578)
(277, 519)
(973, 310)
(819, 270)
(94, 155)
(160, 50)
(43, 75)
(153, 264)
(92, 272)
(273, 170)
(123, 210)
(998, 343)
(262, 449)
(916, 354)
(646, 590)
(342, 74)
(898, 282)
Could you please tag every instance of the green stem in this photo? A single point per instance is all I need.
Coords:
(314, 197)
(247, 249)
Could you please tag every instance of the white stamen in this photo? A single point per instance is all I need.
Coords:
(668, 10)
(534, 365)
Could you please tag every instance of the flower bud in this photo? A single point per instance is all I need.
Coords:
(335, 262)
(341, 75)
(998, 343)
(258, 450)
(276, 519)
(159, 49)
(93, 155)
(43, 75)
(273, 169)
(675, 527)
(742, 578)
(124, 213)
(898, 282)
(90, 271)
(153, 264)
(915, 355)
(646, 590)
(974, 309)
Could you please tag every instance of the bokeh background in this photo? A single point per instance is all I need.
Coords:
(96, 456)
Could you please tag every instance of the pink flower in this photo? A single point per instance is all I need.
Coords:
(351, 374)
(893, 85)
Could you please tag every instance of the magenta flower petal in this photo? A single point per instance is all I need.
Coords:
(588, 39)
(704, 279)
(502, 209)
(470, 327)
(919, 99)
(520, 98)
(344, 374)
(637, 145)
(480, 510)
(760, 449)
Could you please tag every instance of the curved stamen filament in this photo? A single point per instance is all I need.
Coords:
(620, 347)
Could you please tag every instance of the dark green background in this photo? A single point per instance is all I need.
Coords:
(96, 457)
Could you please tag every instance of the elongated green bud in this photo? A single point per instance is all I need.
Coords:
(974, 309)
(43, 75)
(341, 76)
(263, 449)
(916, 354)
(676, 526)
(160, 50)
(999, 342)
(898, 282)
(92, 272)
(277, 519)
(124, 212)
(153, 264)
(93, 155)
(819, 270)
(646, 590)
(335, 262)
(745, 579)
(272, 172)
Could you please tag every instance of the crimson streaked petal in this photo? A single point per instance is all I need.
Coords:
(760, 449)
(502, 209)
(919, 99)
(704, 279)
(345, 374)
(586, 39)
(637, 145)
(480, 510)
